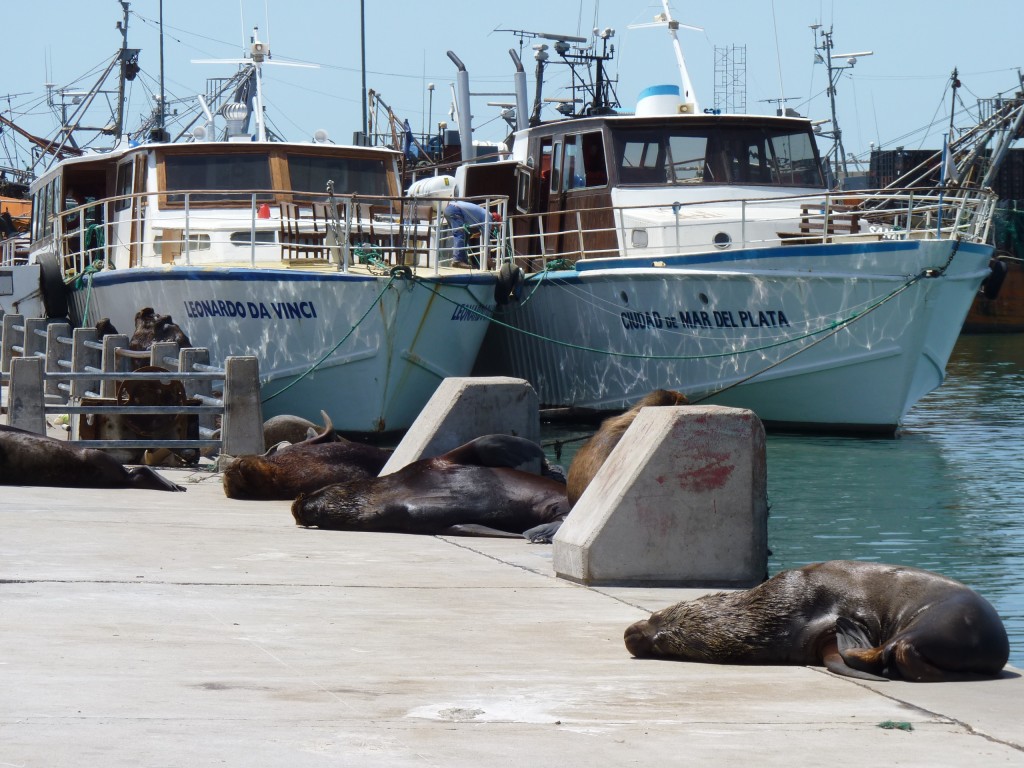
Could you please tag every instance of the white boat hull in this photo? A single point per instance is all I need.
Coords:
(368, 350)
(815, 337)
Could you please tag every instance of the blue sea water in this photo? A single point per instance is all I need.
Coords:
(946, 495)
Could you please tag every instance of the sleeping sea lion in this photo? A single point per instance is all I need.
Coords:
(285, 428)
(474, 489)
(285, 472)
(865, 620)
(591, 456)
(30, 459)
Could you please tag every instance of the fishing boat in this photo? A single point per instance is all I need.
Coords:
(686, 249)
(19, 282)
(305, 254)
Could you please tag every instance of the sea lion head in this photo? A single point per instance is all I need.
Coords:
(666, 635)
(250, 477)
(714, 628)
(341, 505)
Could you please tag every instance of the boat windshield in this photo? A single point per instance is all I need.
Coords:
(310, 173)
(715, 154)
(221, 171)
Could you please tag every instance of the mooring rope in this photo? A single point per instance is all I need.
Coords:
(328, 353)
(829, 329)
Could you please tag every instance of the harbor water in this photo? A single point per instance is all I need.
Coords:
(946, 495)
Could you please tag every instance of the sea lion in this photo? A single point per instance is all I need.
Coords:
(591, 455)
(475, 489)
(151, 328)
(289, 429)
(30, 459)
(284, 472)
(864, 620)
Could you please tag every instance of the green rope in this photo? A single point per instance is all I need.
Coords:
(329, 352)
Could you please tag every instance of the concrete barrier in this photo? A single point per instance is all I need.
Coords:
(681, 501)
(464, 408)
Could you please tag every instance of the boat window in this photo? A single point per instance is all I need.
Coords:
(594, 169)
(687, 157)
(228, 171)
(743, 154)
(556, 166)
(124, 187)
(365, 175)
(584, 161)
(45, 201)
(245, 238)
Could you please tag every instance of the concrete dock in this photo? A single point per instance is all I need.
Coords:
(142, 628)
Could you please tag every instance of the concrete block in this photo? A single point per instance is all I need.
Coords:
(464, 408)
(681, 501)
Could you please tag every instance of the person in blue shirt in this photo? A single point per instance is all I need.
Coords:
(465, 220)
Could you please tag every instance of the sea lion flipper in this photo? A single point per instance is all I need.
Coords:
(146, 477)
(851, 634)
(835, 663)
(473, 529)
(542, 534)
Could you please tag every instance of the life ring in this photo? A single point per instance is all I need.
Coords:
(51, 283)
(991, 285)
(401, 271)
(509, 283)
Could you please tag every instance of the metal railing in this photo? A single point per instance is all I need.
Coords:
(50, 370)
(263, 228)
(679, 228)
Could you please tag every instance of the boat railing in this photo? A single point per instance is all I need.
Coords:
(264, 228)
(678, 228)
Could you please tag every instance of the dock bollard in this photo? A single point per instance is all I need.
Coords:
(680, 501)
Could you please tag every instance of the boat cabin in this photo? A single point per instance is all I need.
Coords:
(572, 175)
(217, 201)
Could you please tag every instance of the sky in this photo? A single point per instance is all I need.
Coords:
(898, 96)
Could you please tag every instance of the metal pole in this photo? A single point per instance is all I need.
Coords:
(362, 50)
(160, 119)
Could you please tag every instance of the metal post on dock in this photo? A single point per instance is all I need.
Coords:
(11, 326)
(242, 424)
(57, 336)
(25, 409)
(109, 364)
(85, 355)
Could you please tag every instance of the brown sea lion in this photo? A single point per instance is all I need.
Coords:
(30, 459)
(865, 620)
(591, 455)
(289, 429)
(151, 327)
(474, 489)
(285, 472)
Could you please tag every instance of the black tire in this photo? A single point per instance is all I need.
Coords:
(509, 284)
(51, 282)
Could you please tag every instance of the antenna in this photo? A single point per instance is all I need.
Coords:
(259, 54)
(835, 71)
(672, 25)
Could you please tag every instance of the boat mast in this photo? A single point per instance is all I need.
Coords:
(689, 97)
(125, 57)
(834, 73)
